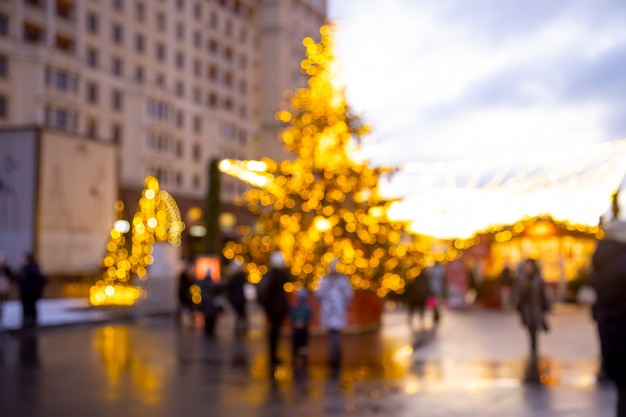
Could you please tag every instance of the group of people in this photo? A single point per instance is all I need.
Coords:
(527, 292)
(212, 297)
(334, 295)
(427, 292)
(30, 283)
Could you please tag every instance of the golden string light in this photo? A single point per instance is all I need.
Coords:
(157, 220)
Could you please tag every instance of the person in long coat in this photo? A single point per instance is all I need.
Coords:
(335, 294)
(235, 293)
(211, 309)
(532, 301)
(608, 278)
(31, 283)
(272, 297)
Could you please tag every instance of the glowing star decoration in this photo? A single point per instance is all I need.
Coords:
(157, 220)
(324, 204)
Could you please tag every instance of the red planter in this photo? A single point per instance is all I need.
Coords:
(364, 311)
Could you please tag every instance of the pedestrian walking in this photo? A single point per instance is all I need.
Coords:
(300, 317)
(5, 283)
(609, 281)
(532, 301)
(506, 285)
(185, 302)
(211, 304)
(335, 294)
(235, 294)
(31, 283)
(272, 297)
(417, 292)
(436, 275)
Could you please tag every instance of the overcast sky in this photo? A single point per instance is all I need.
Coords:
(458, 79)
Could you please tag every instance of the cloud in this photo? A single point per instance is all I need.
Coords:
(452, 79)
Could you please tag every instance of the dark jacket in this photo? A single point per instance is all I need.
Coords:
(210, 292)
(271, 294)
(609, 281)
(31, 281)
(184, 289)
(235, 290)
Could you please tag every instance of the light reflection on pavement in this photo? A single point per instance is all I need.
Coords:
(474, 365)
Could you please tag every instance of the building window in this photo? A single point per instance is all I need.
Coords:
(229, 29)
(197, 95)
(117, 67)
(228, 79)
(140, 43)
(140, 12)
(34, 3)
(118, 5)
(158, 109)
(243, 35)
(64, 44)
(213, 20)
(228, 53)
(117, 100)
(4, 107)
(180, 4)
(179, 148)
(197, 39)
(33, 33)
(180, 119)
(197, 124)
(62, 82)
(243, 87)
(160, 21)
(160, 52)
(179, 179)
(197, 68)
(243, 61)
(197, 11)
(160, 80)
(213, 72)
(92, 23)
(196, 152)
(213, 46)
(116, 133)
(117, 33)
(228, 104)
(180, 60)
(61, 118)
(139, 76)
(180, 89)
(180, 31)
(65, 9)
(92, 58)
(243, 111)
(92, 128)
(242, 137)
(196, 181)
(213, 100)
(4, 25)
(4, 66)
(92, 93)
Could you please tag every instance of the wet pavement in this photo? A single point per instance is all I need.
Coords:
(475, 365)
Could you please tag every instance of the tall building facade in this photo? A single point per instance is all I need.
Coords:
(283, 24)
(172, 83)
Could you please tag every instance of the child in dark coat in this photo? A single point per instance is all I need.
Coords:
(300, 316)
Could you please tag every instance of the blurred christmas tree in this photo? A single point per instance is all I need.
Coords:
(324, 204)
